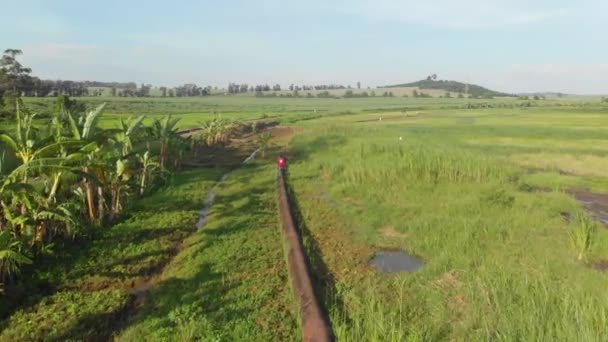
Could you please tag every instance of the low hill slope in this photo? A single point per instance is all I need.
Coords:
(453, 87)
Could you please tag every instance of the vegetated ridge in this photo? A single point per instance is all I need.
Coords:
(451, 86)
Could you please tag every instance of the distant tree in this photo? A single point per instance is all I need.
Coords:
(144, 90)
(536, 98)
(171, 92)
(163, 91)
(460, 96)
(372, 94)
(291, 87)
(358, 85)
(390, 94)
(348, 94)
(415, 93)
(15, 74)
(324, 94)
(434, 77)
(448, 95)
(276, 87)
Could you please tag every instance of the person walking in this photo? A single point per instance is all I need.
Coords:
(282, 164)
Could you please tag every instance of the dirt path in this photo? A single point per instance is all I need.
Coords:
(139, 291)
(315, 326)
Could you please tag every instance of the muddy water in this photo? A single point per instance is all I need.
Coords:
(594, 202)
(395, 261)
(203, 214)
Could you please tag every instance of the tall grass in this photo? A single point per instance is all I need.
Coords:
(499, 263)
(581, 234)
(367, 160)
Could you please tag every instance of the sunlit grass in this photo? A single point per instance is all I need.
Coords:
(580, 165)
(501, 261)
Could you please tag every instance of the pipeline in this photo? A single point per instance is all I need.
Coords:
(315, 325)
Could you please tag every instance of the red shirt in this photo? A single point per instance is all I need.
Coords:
(281, 163)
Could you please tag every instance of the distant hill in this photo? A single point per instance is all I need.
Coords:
(452, 87)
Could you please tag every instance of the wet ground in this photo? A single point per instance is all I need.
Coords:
(596, 203)
(395, 261)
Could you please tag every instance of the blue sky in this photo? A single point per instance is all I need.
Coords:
(517, 45)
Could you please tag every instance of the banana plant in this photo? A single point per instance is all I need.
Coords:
(166, 132)
(28, 145)
(11, 256)
(87, 131)
(128, 130)
(148, 166)
(263, 142)
(118, 185)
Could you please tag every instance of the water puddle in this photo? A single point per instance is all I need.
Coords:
(203, 214)
(596, 203)
(395, 261)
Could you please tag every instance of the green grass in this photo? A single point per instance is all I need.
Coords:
(83, 274)
(501, 262)
(230, 281)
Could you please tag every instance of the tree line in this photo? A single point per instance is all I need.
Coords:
(16, 80)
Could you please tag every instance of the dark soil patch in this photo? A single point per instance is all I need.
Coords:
(279, 132)
(600, 265)
(395, 261)
(534, 188)
(596, 203)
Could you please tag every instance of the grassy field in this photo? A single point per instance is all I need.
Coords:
(227, 281)
(478, 189)
(459, 190)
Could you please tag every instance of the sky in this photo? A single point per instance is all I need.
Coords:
(512, 46)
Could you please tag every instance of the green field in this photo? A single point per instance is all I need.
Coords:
(477, 189)
(457, 189)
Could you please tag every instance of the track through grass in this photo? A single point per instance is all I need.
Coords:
(230, 280)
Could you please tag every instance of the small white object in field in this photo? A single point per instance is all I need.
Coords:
(400, 138)
(380, 119)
